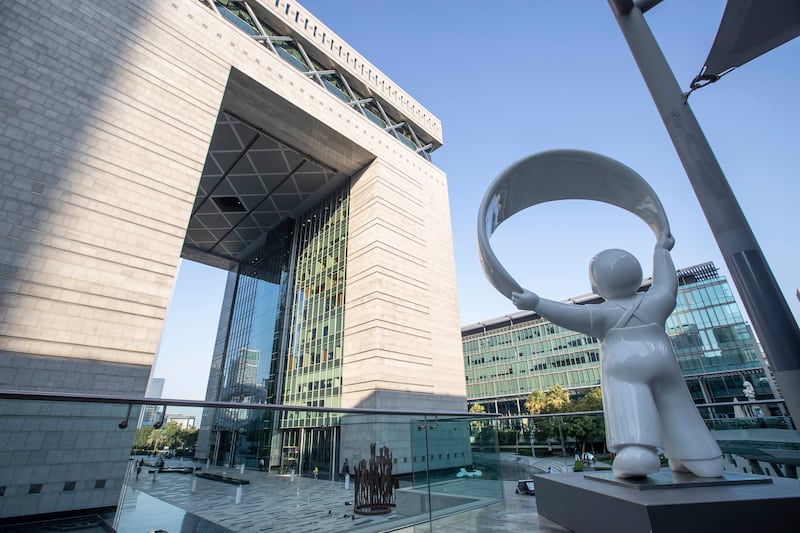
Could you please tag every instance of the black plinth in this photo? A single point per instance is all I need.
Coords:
(669, 502)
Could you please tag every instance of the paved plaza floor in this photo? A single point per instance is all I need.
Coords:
(276, 503)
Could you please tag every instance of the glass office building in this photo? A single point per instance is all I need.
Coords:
(281, 342)
(507, 358)
(281, 219)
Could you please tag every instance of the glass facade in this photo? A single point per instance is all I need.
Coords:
(715, 348)
(314, 359)
(283, 342)
(507, 359)
(253, 350)
(243, 16)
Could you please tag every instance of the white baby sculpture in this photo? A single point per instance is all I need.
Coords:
(646, 403)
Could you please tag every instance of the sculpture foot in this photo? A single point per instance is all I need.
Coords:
(636, 461)
(677, 466)
(705, 467)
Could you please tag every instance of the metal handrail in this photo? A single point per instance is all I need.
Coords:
(140, 400)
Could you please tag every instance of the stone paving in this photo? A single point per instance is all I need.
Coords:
(276, 503)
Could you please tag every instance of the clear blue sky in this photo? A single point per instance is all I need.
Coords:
(509, 79)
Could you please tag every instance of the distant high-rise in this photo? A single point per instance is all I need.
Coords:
(152, 413)
(507, 358)
(241, 134)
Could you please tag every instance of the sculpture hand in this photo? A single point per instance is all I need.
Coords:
(525, 300)
(665, 241)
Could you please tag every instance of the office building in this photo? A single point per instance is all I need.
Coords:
(151, 414)
(507, 358)
(184, 421)
(244, 135)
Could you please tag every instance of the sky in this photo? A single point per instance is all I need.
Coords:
(510, 79)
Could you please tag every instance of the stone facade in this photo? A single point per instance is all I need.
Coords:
(107, 113)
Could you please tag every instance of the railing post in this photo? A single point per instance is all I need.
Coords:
(772, 319)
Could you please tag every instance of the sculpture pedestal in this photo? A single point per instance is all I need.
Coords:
(598, 502)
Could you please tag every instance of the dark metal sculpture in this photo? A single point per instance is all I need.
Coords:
(374, 486)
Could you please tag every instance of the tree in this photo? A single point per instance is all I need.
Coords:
(555, 400)
(592, 400)
(477, 408)
(536, 402)
(189, 437)
(173, 435)
(142, 434)
(156, 439)
(584, 429)
(587, 429)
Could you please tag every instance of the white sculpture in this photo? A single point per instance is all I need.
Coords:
(646, 403)
(748, 390)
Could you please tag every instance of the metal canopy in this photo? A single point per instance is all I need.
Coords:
(749, 28)
(249, 184)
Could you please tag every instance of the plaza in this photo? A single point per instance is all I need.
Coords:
(250, 137)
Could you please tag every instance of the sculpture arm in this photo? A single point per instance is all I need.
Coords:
(665, 280)
(571, 316)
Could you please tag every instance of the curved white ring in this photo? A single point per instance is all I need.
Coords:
(561, 175)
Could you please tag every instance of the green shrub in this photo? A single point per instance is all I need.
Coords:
(578, 466)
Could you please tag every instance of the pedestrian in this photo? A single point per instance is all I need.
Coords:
(345, 469)
(261, 465)
(316, 472)
(138, 468)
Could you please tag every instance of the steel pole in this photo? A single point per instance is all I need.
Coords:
(772, 319)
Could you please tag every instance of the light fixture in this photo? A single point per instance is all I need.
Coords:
(160, 423)
(124, 423)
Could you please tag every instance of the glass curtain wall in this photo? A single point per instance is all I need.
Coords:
(254, 345)
(714, 346)
(504, 365)
(504, 362)
(313, 375)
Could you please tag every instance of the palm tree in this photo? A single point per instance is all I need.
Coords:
(536, 402)
(557, 399)
(157, 438)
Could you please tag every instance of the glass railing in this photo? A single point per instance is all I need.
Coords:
(245, 469)
(755, 437)
(240, 470)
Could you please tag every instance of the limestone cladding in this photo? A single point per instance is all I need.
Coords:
(401, 311)
(107, 113)
(315, 35)
(108, 110)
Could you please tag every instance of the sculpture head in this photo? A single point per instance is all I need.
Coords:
(615, 274)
